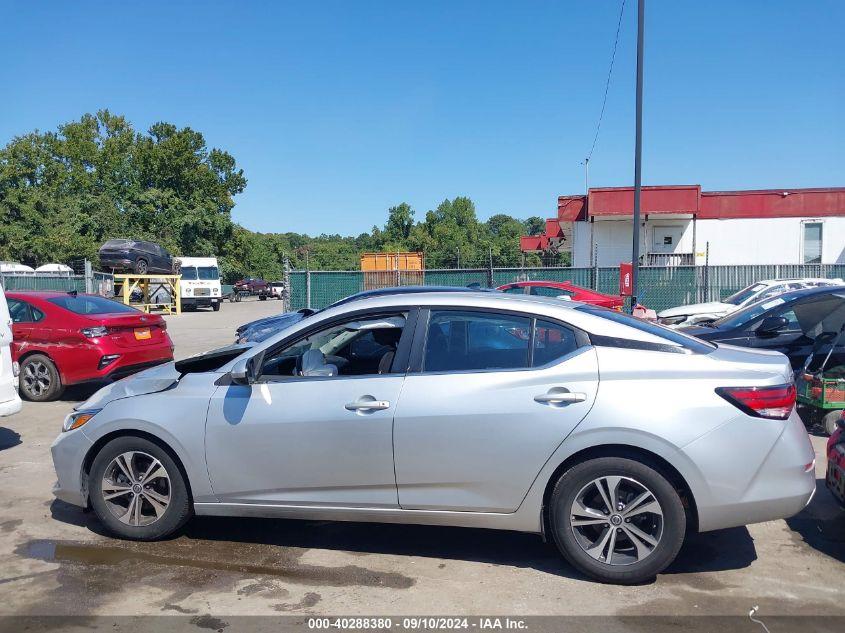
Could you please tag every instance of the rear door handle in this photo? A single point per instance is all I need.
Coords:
(367, 405)
(560, 397)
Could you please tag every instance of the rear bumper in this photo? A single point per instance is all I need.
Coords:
(781, 486)
(130, 360)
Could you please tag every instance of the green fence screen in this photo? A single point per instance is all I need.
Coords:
(659, 287)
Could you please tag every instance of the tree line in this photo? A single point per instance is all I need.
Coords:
(65, 192)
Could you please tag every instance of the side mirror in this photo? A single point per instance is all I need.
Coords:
(771, 326)
(243, 372)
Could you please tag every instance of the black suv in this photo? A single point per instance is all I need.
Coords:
(137, 256)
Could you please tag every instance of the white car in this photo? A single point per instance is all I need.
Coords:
(10, 402)
(710, 311)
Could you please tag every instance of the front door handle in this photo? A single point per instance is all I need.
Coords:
(560, 397)
(367, 405)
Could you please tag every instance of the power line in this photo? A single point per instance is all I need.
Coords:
(607, 84)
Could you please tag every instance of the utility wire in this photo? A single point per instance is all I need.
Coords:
(607, 84)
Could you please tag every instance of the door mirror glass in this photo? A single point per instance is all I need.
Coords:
(771, 325)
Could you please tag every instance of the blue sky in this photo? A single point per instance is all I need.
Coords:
(338, 110)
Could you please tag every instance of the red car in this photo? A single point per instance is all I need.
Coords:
(563, 289)
(569, 290)
(63, 339)
(835, 479)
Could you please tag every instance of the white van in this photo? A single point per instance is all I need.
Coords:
(200, 283)
(10, 402)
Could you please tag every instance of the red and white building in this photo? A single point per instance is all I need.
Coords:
(681, 224)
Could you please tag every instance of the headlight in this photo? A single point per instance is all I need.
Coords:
(78, 418)
(673, 320)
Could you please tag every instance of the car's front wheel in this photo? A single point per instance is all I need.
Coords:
(137, 490)
(617, 520)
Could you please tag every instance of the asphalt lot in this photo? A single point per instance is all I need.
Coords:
(55, 560)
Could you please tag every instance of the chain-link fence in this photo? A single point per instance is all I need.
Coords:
(88, 280)
(659, 287)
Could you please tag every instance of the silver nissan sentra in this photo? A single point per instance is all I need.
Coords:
(610, 435)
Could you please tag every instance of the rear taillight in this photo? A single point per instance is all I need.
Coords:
(95, 332)
(774, 403)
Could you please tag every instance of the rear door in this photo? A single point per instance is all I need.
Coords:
(489, 398)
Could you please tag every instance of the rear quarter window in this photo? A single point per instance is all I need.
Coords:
(676, 341)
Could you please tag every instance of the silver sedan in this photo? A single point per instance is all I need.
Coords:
(612, 436)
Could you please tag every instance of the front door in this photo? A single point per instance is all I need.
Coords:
(488, 409)
(317, 427)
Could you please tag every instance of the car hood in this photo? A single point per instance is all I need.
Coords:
(151, 380)
(163, 377)
(712, 307)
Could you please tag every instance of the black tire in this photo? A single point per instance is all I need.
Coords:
(177, 511)
(829, 421)
(626, 572)
(39, 379)
(216, 306)
(262, 297)
(141, 266)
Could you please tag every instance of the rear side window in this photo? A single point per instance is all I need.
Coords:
(473, 340)
(683, 343)
(515, 290)
(545, 291)
(551, 341)
(458, 340)
(89, 304)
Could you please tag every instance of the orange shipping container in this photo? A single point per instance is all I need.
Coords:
(379, 262)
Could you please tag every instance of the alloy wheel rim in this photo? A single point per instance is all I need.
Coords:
(616, 520)
(136, 488)
(36, 378)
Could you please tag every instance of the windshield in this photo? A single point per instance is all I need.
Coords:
(744, 295)
(204, 273)
(89, 304)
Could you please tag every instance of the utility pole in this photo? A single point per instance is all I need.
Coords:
(586, 176)
(638, 156)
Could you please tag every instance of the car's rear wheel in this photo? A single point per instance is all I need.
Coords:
(617, 520)
(137, 490)
(39, 379)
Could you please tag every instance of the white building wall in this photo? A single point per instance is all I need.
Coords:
(732, 242)
(767, 240)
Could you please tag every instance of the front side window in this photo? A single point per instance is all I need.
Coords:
(360, 347)
(813, 242)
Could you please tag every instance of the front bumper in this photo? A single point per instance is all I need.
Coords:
(68, 451)
(755, 470)
(200, 301)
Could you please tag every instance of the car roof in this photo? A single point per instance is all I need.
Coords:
(794, 295)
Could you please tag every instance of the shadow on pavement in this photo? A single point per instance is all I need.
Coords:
(715, 551)
(8, 438)
(727, 549)
(821, 525)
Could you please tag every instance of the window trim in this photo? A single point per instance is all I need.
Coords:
(399, 360)
(582, 340)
